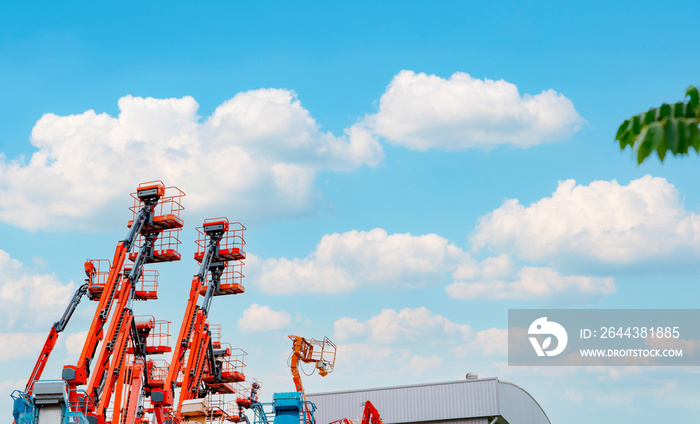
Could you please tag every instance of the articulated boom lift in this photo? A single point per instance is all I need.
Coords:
(292, 407)
(205, 367)
(370, 415)
(56, 328)
(320, 353)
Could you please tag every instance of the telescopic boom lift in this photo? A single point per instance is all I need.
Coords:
(194, 354)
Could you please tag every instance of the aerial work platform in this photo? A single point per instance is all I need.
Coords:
(165, 247)
(166, 213)
(230, 247)
(231, 280)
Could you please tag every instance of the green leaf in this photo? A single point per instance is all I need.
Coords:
(669, 128)
(664, 111)
(661, 144)
(672, 137)
(694, 136)
(621, 131)
(678, 110)
(692, 91)
(637, 123)
(683, 137)
(645, 146)
(650, 116)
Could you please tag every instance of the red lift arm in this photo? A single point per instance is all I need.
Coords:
(56, 328)
(370, 414)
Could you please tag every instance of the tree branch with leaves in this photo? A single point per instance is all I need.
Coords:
(670, 128)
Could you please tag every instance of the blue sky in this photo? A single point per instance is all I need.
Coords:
(407, 172)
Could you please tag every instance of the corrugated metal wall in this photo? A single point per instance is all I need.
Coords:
(407, 404)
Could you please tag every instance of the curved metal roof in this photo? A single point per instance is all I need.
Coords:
(453, 400)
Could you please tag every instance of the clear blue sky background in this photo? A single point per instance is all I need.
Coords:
(608, 60)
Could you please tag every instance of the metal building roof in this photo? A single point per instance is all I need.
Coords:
(454, 400)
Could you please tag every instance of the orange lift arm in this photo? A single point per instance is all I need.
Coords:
(194, 335)
(321, 353)
(165, 397)
(112, 352)
(134, 383)
(56, 328)
(122, 329)
(299, 343)
(77, 375)
(199, 351)
(119, 290)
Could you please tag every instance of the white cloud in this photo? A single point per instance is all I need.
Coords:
(375, 259)
(343, 262)
(354, 357)
(489, 268)
(74, 343)
(263, 318)
(490, 342)
(260, 150)
(604, 222)
(391, 326)
(424, 112)
(30, 298)
(20, 345)
(8, 386)
(356, 360)
(422, 364)
(533, 283)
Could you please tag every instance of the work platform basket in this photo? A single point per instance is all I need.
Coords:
(157, 372)
(244, 390)
(222, 409)
(230, 281)
(157, 334)
(166, 213)
(231, 242)
(97, 271)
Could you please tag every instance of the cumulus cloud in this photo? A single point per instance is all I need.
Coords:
(343, 262)
(391, 326)
(259, 318)
(376, 259)
(533, 283)
(413, 341)
(603, 222)
(490, 342)
(260, 150)
(27, 297)
(422, 364)
(425, 112)
(75, 342)
(354, 357)
(356, 360)
(20, 345)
